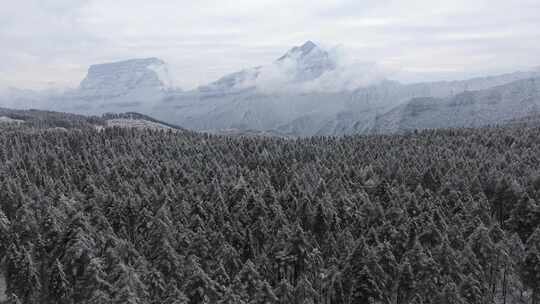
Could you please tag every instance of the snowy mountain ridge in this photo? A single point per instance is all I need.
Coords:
(305, 92)
(307, 62)
(295, 68)
(502, 104)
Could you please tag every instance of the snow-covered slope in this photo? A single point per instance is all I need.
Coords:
(503, 104)
(235, 81)
(9, 120)
(306, 62)
(137, 121)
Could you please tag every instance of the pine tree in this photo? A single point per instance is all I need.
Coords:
(98, 297)
(365, 288)
(471, 290)
(450, 295)
(13, 299)
(524, 218)
(406, 283)
(320, 224)
(173, 295)
(248, 282)
(22, 275)
(4, 233)
(447, 261)
(94, 280)
(60, 289)
(128, 288)
(265, 295)
(199, 287)
(284, 292)
(531, 266)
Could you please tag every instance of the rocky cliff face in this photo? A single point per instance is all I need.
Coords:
(131, 85)
(124, 77)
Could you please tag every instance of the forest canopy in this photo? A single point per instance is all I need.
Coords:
(141, 216)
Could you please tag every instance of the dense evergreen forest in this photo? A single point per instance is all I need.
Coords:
(141, 216)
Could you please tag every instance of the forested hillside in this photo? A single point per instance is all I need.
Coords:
(142, 216)
(39, 119)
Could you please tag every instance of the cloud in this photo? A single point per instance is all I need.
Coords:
(347, 74)
(55, 40)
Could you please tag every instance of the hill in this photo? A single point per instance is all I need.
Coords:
(39, 119)
(500, 105)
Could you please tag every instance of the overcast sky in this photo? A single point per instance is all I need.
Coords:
(52, 42)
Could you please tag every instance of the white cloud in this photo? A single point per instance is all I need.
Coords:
(43, 41)
(347, 75)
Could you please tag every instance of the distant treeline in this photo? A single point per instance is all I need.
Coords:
(49, 119)
(39, 119)
(140, 216)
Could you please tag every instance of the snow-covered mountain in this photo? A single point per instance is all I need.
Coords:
(305, 92)
(306, 62)
(508, 103)
(299, 65)
(129, 85)
(306, 113)
(135, 84)
(123, 78)
(242, 101)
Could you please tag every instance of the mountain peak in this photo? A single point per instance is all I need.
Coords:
(299, 51)
(136, 62)
(308, 46)
(118, 78)
(309, 61)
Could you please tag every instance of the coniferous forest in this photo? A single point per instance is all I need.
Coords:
(142, 216)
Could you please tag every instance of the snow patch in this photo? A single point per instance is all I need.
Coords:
(9, 120)
(136, 123)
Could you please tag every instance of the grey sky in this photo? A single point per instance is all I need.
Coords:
(52, 42)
